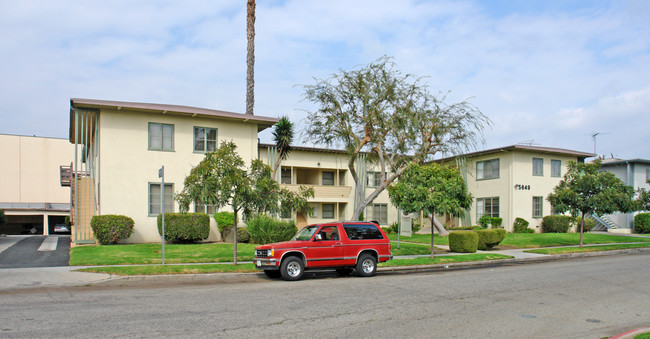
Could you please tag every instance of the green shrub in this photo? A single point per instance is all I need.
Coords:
(463, 241)
(185, 227)
(496, 222)
(465, 228)
(485, 221)
(242, 235)
(3, 218)
(394, 227)
(520, 226)
(415, 227)
(66, 221)
(556, 223)
(490, 238)
(264, 229)
(225, 222)
(642, 223)
(589, 224)
(387, 230)
(110, 229)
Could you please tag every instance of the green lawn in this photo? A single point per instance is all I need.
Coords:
(563, 250)
(532, 240)
(152, 254)
(412, 249)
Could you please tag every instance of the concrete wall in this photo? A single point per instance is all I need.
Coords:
(127, 166)
(30, 169)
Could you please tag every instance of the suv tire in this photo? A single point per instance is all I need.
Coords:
(292, 268)
(367, 265)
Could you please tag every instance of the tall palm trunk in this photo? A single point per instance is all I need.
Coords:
(250, 57)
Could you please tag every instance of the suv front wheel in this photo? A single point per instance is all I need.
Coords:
(366, 266)
(292, 268)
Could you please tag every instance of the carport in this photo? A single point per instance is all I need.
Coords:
(23, 218)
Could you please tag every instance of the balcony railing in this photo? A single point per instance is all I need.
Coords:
(323, 192)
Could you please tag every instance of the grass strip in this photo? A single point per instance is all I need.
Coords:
(413, 249)
(171, 269)
(564, 250)
(444, 259)
(134, 254)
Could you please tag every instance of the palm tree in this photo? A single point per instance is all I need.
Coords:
(283, 135)
(250, 57)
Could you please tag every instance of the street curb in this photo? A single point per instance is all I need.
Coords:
(631, 334)
(214, 277)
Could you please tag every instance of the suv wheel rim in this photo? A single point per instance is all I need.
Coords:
(367, 266)
(293, 269)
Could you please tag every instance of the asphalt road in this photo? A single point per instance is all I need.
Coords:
(580, 298)
(34, 251)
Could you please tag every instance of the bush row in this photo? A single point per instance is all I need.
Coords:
(470, 241)
(110, 229)
(185, 227)
(642, 223)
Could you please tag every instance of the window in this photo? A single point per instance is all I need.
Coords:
(285, 176)
(556, 168)
(328, 211)
(538, 166)
(155, 199)
(488, 169)
(205, 139)
(362, 232)
(489, 206)
(329, 233)
(328, 178)
(538, 203)
(378, 213)
(161, 137)
(199, 207)
(374, 179)
(285, 212)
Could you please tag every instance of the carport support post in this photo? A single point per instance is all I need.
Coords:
(161, 174)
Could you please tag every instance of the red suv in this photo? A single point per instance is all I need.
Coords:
(342, 245)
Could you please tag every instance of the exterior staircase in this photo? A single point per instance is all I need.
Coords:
(603, 223)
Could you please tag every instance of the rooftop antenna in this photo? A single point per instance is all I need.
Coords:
(530, 142)
(593, 136)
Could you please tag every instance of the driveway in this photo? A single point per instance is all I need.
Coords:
(18, 251)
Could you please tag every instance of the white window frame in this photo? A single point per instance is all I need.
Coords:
(480, 207)
(538, 207)
(485, 170)
(556, 168)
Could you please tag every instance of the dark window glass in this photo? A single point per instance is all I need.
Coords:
(362, 231)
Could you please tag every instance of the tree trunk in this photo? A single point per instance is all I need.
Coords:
(250, 57)
(441, 229)
(235, 238)
(432, 248)
(582, 224)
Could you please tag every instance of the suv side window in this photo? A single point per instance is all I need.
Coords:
(329, 233)
(362, 232)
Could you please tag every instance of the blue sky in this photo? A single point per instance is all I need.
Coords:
(546, 72)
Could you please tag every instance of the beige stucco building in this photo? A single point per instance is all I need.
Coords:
(124, 144)
(30, 191)
(327, 172)
(514, 181)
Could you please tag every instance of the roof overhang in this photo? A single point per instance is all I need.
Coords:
(164, 109)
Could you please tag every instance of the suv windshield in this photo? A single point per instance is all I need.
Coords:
(305, 233)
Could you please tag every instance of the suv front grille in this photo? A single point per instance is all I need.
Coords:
(261, 253)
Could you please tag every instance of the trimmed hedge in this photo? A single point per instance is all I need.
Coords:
(485, 221)
(556, 223)
(225, 222)
(264, 229)
(489, 238)
(642, 223)
(463, 241)
(242, 235)
(465, 228)
(110, 229)
(521, 226)
(589, 224)
(185, 227)
(496, 222)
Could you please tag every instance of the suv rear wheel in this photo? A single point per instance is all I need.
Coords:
(367, 265)
(292, 268)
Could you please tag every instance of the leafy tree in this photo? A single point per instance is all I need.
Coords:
(283, 135)
(390, 116)
(584, 189)
(433, 188)
(3, 218)
(221, 179)
(643, 200)
(250, 56)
